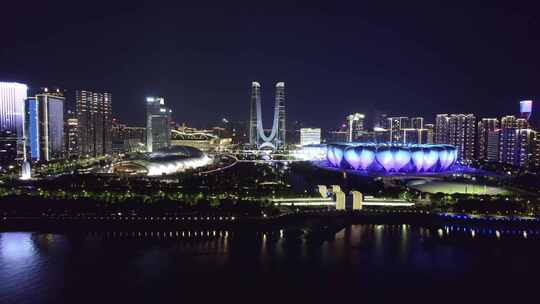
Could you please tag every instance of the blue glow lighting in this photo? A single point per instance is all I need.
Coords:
(392, 158)
(417, 156)
(431, 157)
(385, 158)
(525, 108)
(352, 157)
(401, 158)
(33, 128)
(367, 156)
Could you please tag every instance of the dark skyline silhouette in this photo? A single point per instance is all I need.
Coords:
(418, 58)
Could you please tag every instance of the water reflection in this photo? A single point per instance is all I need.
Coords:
(50, 265)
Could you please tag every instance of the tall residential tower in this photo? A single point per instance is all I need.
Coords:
(94, 117)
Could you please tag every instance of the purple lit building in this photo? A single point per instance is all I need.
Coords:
(525, 109)
(392, 158)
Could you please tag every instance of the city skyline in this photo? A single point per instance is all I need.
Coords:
(427, 61)
(269, 151)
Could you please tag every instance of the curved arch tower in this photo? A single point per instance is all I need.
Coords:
(257, 136)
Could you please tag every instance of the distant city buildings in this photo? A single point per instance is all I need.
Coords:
(158, 124)
(39, 128)
(395, 126)
(417, 123)
(12, 99)
(430, 130)
(128, 139)
(356, 126)
(94, 118)
(310, 136)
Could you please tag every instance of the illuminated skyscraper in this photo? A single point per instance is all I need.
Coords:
(525, 109)
(45, 126)
(280, 104)
(12, 98)
(493, 145)
(254, 101)
(517, 142)
(158, 124)
(94, 117)
(457, 130)
(72, 135)
(257, 136)
(441, 129)
(485, 126)
(525, 148)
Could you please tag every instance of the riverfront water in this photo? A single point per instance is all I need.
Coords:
(365, 263)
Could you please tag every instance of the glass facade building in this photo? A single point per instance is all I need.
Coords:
(12, 99)
(44, 124)
(158, 124)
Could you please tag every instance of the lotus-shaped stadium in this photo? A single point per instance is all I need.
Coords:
(392, 158)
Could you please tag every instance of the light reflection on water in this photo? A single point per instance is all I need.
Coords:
(48, 266)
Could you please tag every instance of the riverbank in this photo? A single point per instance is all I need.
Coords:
(305, 220)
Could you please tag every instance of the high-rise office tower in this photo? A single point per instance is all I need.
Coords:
(280, 104)
(158, 124)
(277, 137)
(457, 130)
(44, 125)
(254, 100)
(485, 126)
(12, 99)
(94, 117)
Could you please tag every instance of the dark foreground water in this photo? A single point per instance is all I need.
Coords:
(361, 263)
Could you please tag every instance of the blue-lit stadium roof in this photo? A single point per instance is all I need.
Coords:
(392, 157)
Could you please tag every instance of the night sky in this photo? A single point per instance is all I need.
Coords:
(403, 58)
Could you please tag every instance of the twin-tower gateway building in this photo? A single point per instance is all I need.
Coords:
(257, 135)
